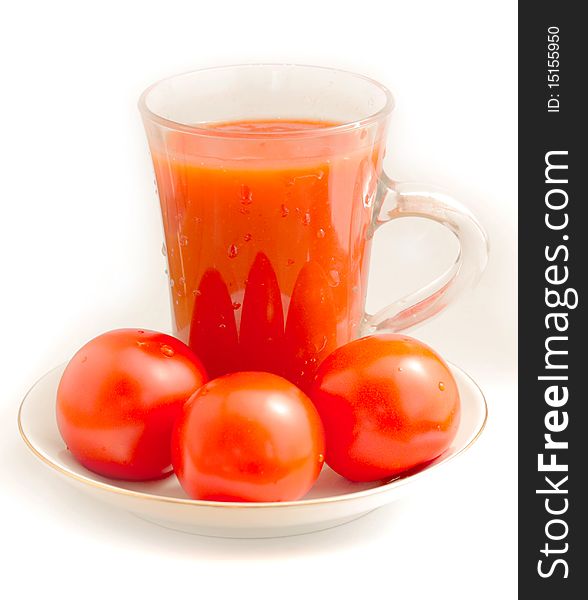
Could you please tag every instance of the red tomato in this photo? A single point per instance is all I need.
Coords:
(388, 403)
(119, 397)
(248, 436)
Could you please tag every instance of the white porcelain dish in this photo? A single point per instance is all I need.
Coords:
(332, 501)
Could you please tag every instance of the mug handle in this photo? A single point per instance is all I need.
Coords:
(399, 199)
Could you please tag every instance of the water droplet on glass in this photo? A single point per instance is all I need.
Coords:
(84, 359)
(321, 458)
(285, 211)
(321, 346)
(355, 289)
(363, 134)
(236, 305)
(163, 250)
(166, 271)
(368, 180)
(222, 326)
(232, 251)
(172, 251)
(247, 237)
(177, 302)
(290, 262)
(197, 219)
(306, 218)
(244, 211)
(183, 240)
(441, 386)
(182, 281)
(196, 293)
(400, 369)
(334, 278)
(167, 350)
(246, 196)
(140, 332)
(141, 344)
(320, 233)
(172, 283)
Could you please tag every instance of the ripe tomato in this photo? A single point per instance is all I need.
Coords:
(119, 397)
(248, 436)
(388, 403)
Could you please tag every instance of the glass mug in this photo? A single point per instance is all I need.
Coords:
(271, 187)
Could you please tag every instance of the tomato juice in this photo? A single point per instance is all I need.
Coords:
(267, 228)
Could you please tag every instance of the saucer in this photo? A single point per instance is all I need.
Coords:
(332, 501)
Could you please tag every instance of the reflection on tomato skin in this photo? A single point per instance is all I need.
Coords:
(213, 331)
(311, 326)
(261, 335)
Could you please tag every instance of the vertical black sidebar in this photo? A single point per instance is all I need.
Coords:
(553, 268)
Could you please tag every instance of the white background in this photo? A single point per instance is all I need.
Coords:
(81, 238)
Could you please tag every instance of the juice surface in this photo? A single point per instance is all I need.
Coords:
(267, 241)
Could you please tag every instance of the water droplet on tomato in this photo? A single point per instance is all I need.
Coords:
(167, 350)
(247, 237)
(233, 251)
(84, 359)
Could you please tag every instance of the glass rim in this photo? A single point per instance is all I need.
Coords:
(200, 129)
